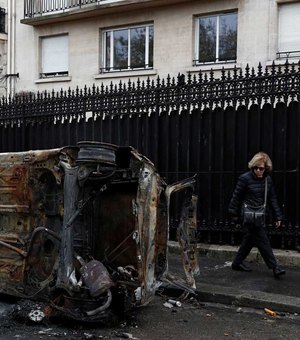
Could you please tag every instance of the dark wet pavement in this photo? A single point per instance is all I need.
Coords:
(260, 279)
(217, 278)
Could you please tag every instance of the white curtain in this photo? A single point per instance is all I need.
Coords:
(55, 54)
(289, 27)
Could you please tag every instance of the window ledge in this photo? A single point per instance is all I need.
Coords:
(53, 80)
(214, 67)
(123, 74)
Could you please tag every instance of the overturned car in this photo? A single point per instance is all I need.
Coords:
(85, 228)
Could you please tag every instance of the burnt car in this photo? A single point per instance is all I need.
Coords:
(85, 228)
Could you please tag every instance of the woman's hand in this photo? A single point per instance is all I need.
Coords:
(278, 224)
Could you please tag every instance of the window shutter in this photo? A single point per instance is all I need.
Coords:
(55, 54)
(289, 27)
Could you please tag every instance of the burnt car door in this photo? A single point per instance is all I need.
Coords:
(187, 228)
(152, 210)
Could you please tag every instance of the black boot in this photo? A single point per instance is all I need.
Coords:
(278, 272)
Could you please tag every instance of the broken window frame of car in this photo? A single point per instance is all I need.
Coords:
(85, 228)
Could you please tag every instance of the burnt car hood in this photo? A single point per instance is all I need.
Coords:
(85, 228)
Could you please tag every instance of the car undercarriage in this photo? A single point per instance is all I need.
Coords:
(85, 229)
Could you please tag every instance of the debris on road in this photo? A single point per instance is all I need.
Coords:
(270, 312)
(36, 315)
(168, 305)
(175, 302)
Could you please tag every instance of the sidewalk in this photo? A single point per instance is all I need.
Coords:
(218, 283)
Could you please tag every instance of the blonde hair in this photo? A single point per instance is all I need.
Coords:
(261, 157)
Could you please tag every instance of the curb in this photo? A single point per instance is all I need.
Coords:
(253, 299)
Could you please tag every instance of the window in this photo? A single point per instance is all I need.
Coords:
(289, 30)
(216, 38)
(128, 48)
(55, 61)
(2, 20)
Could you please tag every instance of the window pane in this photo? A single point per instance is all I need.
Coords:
(121, 49)
(228, 37)
(128, 47)
(207, 39)
(151, 36)
(2, 20)
(107, 51)
(138, 41)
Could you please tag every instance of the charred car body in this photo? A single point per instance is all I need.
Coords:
(85, 228)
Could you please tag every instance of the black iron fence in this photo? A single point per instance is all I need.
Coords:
(189, 125)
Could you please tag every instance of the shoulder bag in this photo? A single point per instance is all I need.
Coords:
(255, 216)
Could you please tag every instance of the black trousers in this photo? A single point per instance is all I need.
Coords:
(256, 237)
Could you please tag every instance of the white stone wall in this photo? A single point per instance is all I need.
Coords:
(173, 41)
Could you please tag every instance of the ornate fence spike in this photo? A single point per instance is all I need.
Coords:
(197, 91)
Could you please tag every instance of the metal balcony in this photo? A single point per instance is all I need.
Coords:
(34, 8)
(39, 11)
(287, 54)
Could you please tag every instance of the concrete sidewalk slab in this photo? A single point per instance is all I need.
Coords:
(218, 283)
(289, 258)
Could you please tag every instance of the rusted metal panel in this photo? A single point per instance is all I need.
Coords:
(187, 228)
(82, 226)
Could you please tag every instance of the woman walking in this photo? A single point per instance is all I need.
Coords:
(255, 189)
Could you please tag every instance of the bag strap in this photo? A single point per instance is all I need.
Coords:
(266, 191)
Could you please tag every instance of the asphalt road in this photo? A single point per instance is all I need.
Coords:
(192, 320)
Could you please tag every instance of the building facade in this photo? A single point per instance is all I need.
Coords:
(3, 46)
(71, 43)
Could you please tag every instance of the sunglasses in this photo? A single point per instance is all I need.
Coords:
(260, 168)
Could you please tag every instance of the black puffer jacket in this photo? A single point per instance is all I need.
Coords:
(250, 189)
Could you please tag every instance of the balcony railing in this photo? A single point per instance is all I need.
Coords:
(288, 54)
(34, 8)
